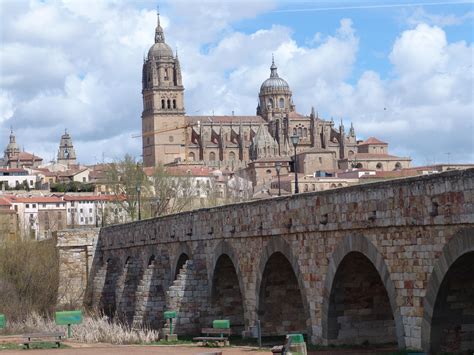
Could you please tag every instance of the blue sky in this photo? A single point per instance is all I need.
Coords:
(400, 70)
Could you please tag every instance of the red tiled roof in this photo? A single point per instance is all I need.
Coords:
(4, 202)
(295, 114)
(372, 140)
(71, 172)
(376, 156)
(37, 199)
(25, 156)
(12, 170)
(94, 198)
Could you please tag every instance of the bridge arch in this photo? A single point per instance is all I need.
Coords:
(361, 250)
(181, 255)
(226, 286)
(279, 266)
(456, 254)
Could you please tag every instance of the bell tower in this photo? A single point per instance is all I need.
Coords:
(163, 121)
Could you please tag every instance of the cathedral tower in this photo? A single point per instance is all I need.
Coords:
(163, 121)
(275, 96)
(66, 152)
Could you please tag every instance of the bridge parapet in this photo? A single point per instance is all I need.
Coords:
(438, 199)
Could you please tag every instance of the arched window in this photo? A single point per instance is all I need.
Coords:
(313, 187)
(269, 172)
(169, 104)
(174, 103)
(306, 189)
(351, 153)
(379, 166)
(163, 104)
(270, 103)
(294, 131)
(166, 73)
(359, 166)
(191, 156)
(231, 156)
(300, 132)
(305, 132)
(282, 102)
(212, 156)
(398, 165)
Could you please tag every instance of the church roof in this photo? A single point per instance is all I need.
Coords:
(372, 140)
(374, 156)
(24, 156)
(235, 120)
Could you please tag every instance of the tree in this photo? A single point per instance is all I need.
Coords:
(170, 193)
(127, 180)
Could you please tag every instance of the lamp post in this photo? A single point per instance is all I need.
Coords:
(139, 192)
(278, 168)
(295, 140)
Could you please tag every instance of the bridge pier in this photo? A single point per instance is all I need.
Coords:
(383, 262)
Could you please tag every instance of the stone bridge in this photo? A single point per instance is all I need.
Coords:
(386, 262)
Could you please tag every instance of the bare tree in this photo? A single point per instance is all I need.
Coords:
(127, 181)
(171, 193)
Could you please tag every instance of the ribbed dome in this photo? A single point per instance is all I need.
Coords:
(274, 82)
(160, 50)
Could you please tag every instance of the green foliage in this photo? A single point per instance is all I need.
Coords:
(73, 186)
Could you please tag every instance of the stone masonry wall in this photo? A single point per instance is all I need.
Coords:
(410, 230)
(77, 251)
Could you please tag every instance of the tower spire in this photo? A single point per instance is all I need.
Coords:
(273, 69)
(159, 34)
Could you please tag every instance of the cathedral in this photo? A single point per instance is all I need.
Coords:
(237, 142)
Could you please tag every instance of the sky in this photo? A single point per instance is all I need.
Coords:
(401, 71)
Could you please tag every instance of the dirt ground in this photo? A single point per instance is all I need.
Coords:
(140, 350)
(105, 349)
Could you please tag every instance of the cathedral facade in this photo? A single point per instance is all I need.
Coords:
(234, 142)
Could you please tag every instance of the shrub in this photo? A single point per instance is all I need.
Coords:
(93, 329)
(28, 277)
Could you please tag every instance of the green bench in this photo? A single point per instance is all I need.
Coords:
(42, 338)
(220, 328)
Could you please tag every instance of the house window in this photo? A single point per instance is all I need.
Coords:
(57, 205)
(191, 156)
(282, 103)
(231, 156)
(212, 156)
(44, 205)
(83, 179)
(82, 219)
(174, 103)
(81, 210)
(34, 205)
(162, 103)
(27, 205)
(90, 210)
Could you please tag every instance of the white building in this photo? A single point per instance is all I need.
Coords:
(14, 177)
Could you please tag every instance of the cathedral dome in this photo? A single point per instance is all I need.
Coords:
(160, 50)
(274, 82)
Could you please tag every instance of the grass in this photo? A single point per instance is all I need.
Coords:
(42, 345)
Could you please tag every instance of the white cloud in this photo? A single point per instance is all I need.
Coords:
(79, 67)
